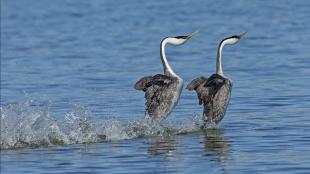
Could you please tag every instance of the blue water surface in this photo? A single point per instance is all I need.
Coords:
(65, 63)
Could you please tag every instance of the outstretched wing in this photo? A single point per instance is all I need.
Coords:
(143, 83)
(198, 85)
(153, 86)
(148, 81)
(193, 85)
(215, 104)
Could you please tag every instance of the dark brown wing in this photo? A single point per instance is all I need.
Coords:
(143, 83)
(193, 85)
(148, 81)
(154, 87)
(198, 85)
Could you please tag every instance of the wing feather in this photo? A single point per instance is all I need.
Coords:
(214, 93)
(148, 81)
(153, 86)
(193, 85)
(142, 83)
(198, 85)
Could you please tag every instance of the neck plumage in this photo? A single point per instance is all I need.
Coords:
(219, 69)
(227, 41)
(167, 68)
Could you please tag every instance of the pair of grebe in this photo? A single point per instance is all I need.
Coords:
(162, 92)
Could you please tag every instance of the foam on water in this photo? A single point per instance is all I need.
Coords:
(24, 124)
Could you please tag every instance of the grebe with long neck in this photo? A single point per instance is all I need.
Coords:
(214, 92)
(162, 92)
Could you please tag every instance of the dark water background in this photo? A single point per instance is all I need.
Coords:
(68, 69)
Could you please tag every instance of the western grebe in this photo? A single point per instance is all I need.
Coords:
(214, 92)
(162, 92)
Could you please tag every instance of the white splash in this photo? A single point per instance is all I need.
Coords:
(27, 125)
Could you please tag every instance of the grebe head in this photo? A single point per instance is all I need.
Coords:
(179, 40)
(233, 39)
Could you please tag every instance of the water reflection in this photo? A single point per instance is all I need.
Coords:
(162, 146)
(216, 145)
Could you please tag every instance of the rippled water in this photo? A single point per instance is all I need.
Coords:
(68, 103)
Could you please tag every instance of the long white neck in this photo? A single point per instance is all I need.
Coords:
(167, 68)
(224, 42)
(219, 69)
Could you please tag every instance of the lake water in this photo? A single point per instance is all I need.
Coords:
(68, 70)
